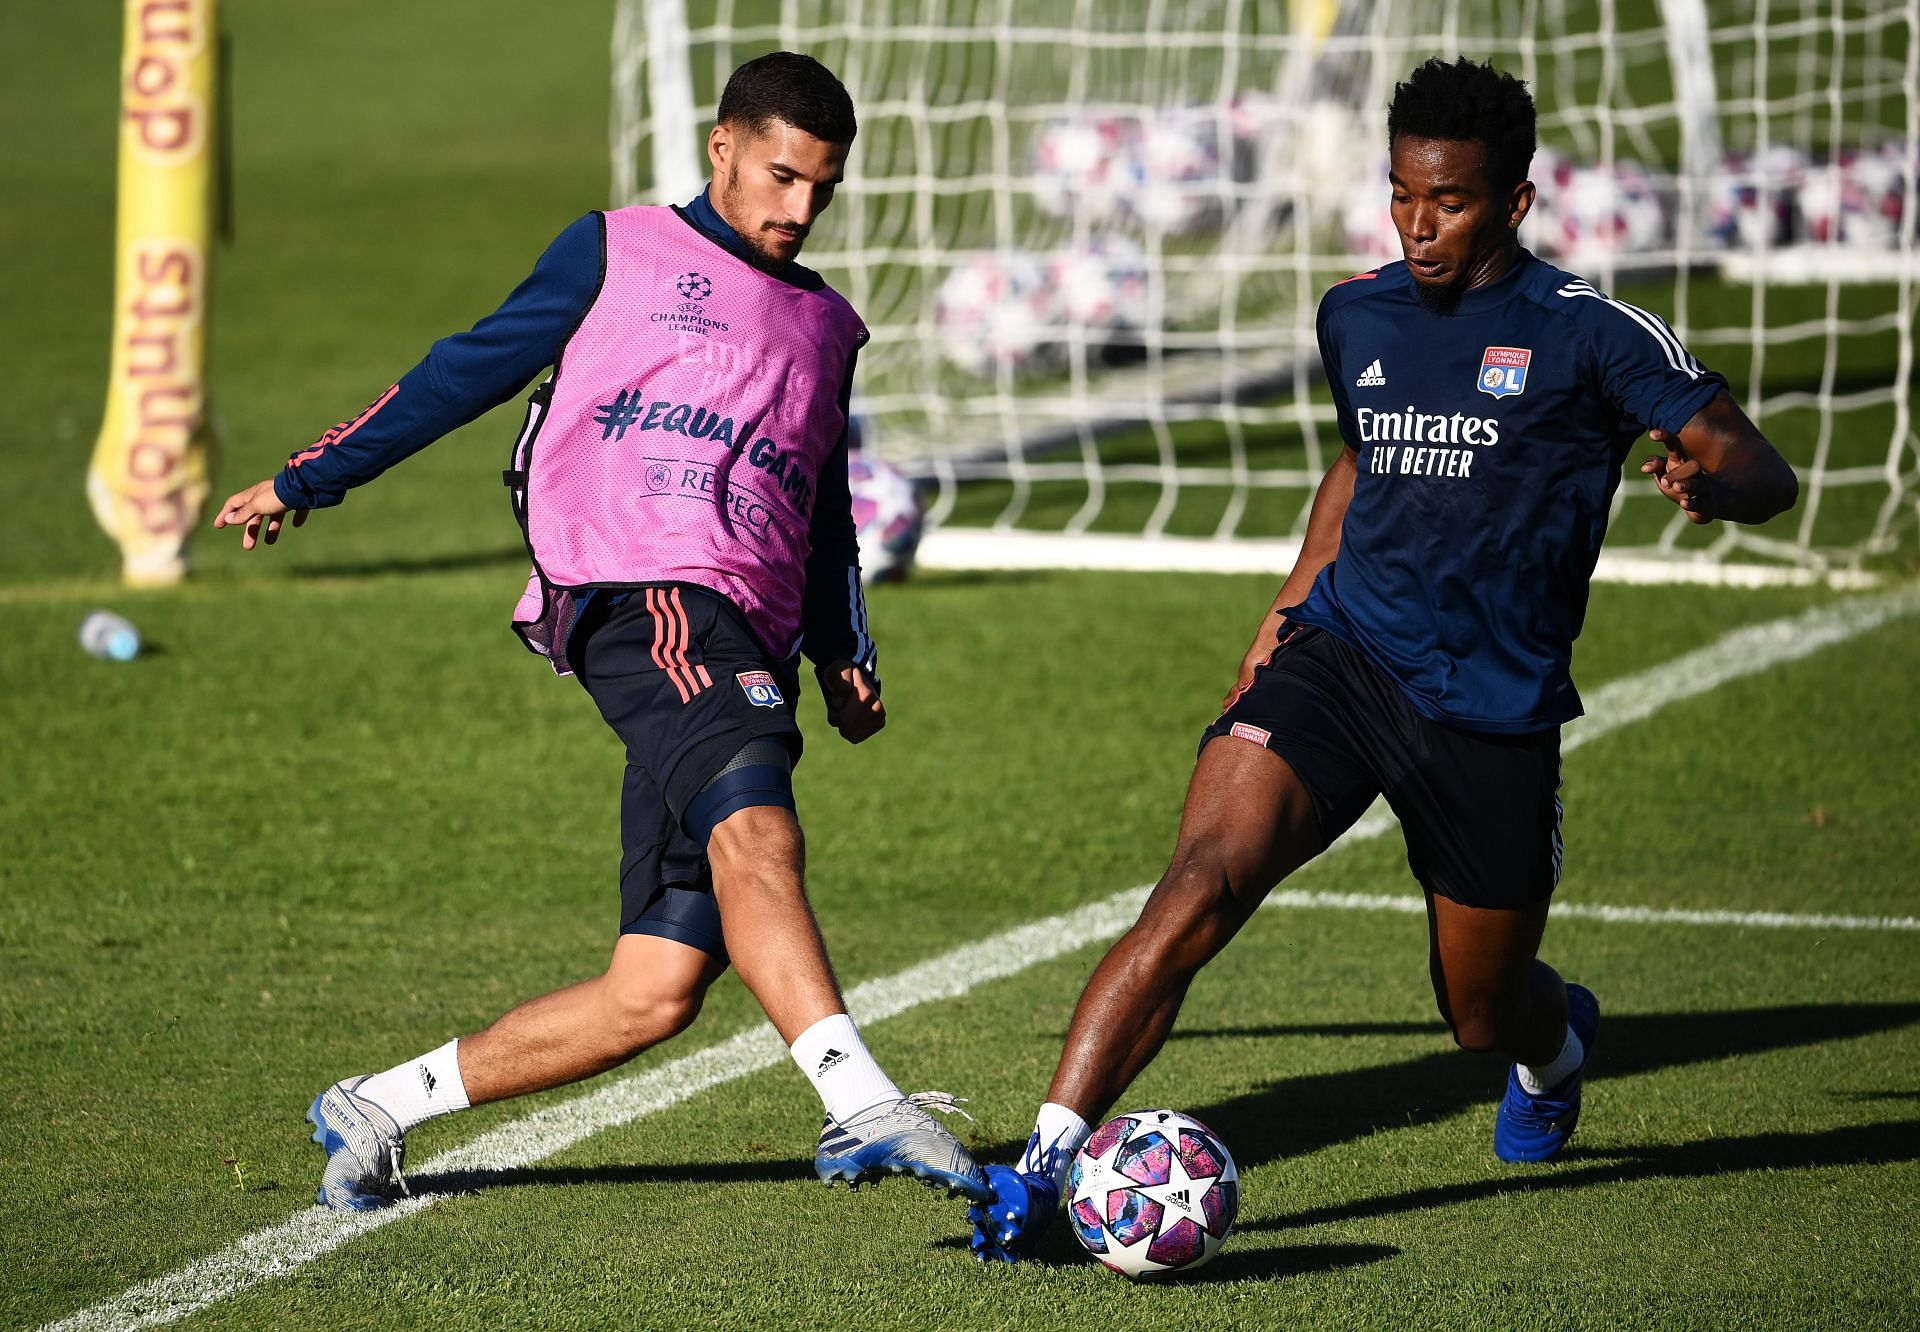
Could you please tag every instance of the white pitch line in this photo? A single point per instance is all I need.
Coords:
(280, 1249)
(1414, 905)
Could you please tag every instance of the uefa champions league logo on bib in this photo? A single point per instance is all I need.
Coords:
(689, 315)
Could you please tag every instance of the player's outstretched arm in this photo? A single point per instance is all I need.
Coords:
(853, 701)
(254, 507)
(1320, 548)
(1721, 466)
(462, 377)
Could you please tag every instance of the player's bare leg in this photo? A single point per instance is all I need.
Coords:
(759, 860)
(1248, 823)
(1497, 996)
(652, 990)
(1494, 993)
(759, 865)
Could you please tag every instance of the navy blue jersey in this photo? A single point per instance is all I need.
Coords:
(468, 374)
(1490, 441)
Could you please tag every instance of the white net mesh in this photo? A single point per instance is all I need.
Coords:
(1090, 238)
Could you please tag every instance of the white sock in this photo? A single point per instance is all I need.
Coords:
(1057, 1134)
(1537, 1078)
(836, 1062)
(420, 1089)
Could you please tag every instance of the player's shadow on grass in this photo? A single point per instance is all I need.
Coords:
(1298, 1115)
(1058, 1248)
(451, 562)
(925, 581)
(1294, 1116)
(692, 1172)
(1858, 1144)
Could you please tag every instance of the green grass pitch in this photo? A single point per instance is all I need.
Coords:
(337, 815)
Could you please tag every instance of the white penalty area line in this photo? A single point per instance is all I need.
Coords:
(280, 1249)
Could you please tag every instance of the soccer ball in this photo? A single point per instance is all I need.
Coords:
(992, 311)
(1075, 171)
(1739, 215)
(1587, 215)
(1365, 217)
(887, 518)
(1856, 199)
(1102, 286)
(1171, 171)
(1153, 1192)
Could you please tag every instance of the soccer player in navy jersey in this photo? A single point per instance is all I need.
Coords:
(682, 482)
(1420, 648)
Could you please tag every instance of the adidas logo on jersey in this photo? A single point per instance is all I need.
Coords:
(1372, 377)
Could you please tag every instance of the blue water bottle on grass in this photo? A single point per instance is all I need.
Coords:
(109, 637)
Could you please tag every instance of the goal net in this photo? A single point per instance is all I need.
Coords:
(1089, 239)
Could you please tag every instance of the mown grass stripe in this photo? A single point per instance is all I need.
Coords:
(280, 1249)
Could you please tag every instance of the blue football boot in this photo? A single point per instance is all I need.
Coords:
(1005, 1229)
(1535, 1128)
(365, 1149)
(899, 1137)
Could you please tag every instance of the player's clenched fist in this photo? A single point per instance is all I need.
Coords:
(853, 701)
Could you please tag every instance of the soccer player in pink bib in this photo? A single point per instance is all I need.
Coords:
(682, 484)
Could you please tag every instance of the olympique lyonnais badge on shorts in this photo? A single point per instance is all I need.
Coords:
(760, 689)
(1503, 371)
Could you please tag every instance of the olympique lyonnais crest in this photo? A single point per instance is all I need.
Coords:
(760, 689)
(1503, 371)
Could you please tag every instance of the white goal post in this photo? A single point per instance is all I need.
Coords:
(1089, 239)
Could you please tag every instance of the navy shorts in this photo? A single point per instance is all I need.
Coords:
(686, 685)
(1480, 812)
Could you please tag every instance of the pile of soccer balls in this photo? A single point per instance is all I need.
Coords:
(1585, 215)
(1163, 173)
(1011, 311)
(1153, 1192)
(1112, 177)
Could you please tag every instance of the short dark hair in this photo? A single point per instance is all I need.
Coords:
(1472, 102)
(791, 87)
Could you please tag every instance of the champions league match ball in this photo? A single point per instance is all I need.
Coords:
(1365, 220)
(1101, 286)
(887, 518)
(1855, 199)
(1586, 215)
(1172, 172)
(1751, 202)
(1076, 168)
(1153, 1193)
(992, 311)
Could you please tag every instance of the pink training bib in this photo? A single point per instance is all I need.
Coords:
(681, 435)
